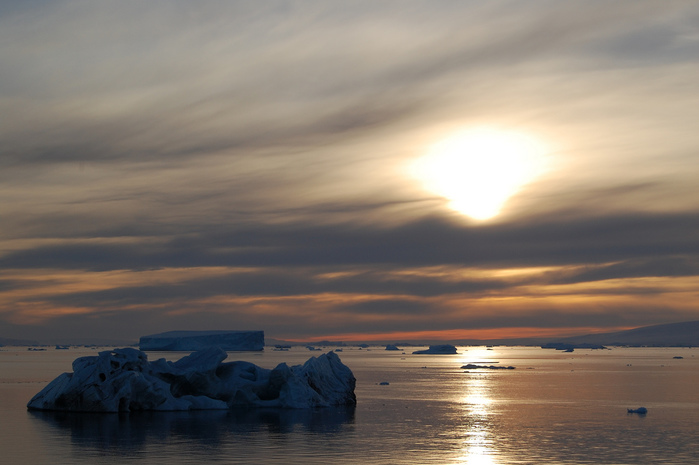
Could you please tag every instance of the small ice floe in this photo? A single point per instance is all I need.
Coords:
(677, 357)
(392, 347)
(473, 366)
(384, 383)
(639, 410)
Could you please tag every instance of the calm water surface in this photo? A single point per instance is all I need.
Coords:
(554, 408)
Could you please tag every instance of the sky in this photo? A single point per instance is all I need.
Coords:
(395, 170)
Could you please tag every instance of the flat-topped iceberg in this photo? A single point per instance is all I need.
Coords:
(441, 349)
(123, 380)
(188, 341)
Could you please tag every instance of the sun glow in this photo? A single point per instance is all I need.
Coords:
(479, 170)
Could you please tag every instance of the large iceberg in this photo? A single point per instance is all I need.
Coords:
(441, 349)
(123, 380)
(188, 341)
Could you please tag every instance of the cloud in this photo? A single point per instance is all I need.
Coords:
(267, 144)
(427, 242)
(432, 274)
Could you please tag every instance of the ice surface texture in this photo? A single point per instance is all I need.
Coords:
(123, 380)
(188, 341)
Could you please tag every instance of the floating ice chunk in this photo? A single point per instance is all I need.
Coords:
(473, 366)
(392, 347)
(123, 380)
(442, 349)
(639, 410)
(188, 341)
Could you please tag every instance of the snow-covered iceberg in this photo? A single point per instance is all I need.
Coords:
(441, 349)
(123, 380)
(188, 341)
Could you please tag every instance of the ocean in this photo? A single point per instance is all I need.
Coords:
(554, 408)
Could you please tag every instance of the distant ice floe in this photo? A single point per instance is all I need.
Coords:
(188, 341)
(473, 366)
(639, 410)
(392, 347)
(123, 380)
(442, 349)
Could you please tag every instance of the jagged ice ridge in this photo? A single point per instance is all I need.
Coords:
(123, 380)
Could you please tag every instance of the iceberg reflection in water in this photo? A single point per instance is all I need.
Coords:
(138, 432)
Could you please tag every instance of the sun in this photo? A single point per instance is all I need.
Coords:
(478, 170)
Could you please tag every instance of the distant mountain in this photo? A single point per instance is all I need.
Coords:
(668, 335)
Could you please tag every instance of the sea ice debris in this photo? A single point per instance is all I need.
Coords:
(473, 366)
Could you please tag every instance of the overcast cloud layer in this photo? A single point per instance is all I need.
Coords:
(174, 165)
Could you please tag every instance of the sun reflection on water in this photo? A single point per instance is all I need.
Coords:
(478, 447)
